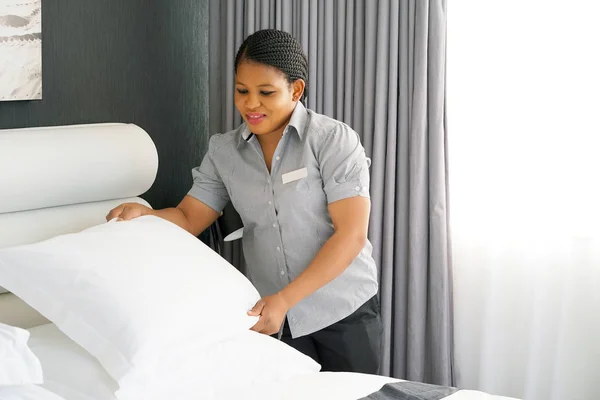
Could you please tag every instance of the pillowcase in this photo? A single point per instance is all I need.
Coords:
(131, 292)
(28, 392)
(245, 360)
(18, 365)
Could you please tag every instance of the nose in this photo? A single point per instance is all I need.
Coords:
(252, 101)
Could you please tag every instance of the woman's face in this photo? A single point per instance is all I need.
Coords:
(264, 97)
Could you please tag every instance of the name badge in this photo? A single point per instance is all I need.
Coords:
(294, 175)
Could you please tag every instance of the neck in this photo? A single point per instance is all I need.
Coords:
(270, 139)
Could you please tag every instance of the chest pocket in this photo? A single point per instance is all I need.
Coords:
(305, 192)
(309, 186)
(302, 186)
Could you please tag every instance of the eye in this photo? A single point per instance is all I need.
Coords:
(242, 91)
(267, 93)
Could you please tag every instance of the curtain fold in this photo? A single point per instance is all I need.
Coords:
(379, 66)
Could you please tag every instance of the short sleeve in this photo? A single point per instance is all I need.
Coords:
(208, 187)
(344, 164)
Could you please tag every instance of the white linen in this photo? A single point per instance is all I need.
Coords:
(248, 359)
(69, 370)
(322, 385)
(476, 395)
(18, 364)
(335, 386)
(27, 392)
(276, 374)
(132, 292)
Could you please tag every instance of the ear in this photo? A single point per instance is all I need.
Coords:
(297, 89)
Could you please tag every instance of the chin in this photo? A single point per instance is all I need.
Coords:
(259, 130)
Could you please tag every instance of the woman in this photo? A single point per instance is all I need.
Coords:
(300, 182)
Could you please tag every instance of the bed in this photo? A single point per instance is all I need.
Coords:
(78, 277)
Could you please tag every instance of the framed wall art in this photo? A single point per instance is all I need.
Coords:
(20, 50)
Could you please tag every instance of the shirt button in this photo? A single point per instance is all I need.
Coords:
(282, 272)
(277, 158)
(274, 225)
(357, 188)
(270, 202)
(278, 248)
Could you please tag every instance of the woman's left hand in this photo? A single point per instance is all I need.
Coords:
(271, 311)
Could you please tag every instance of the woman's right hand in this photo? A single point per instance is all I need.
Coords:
(128, 211)
(191, 214)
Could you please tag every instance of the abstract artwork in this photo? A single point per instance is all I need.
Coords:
(20, 50)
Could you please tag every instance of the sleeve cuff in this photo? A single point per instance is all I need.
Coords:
(347, 190)
(215, 202)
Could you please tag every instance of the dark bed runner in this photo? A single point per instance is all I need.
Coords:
(411, 391)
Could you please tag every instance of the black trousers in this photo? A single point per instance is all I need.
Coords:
(350, 345)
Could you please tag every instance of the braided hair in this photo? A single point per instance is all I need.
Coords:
(277, 49)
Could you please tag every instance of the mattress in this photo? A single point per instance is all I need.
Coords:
(343, 386)
(70, 372)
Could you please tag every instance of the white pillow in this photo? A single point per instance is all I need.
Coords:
(28, 392)
(242, 361)
(18, 365)
(131, 292)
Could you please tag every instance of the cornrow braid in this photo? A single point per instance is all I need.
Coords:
(278, 49)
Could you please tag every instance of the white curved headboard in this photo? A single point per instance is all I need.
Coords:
(57, 166)
(58, 180)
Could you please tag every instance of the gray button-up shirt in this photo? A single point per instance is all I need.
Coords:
(286, 222)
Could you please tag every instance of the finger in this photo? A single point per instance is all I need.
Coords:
(259, 326)
(257, 309)
(125, 213)
(129, 213)
(111, 214)
(115, 212)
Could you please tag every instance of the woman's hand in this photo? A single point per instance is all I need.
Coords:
(271, 311)
(128, 211)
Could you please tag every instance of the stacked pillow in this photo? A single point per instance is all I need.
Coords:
(20, 369)
(18, 365)
(150, 302)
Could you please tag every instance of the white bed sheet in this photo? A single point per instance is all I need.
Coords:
(338, 386)
(320, 385)
(70, 372)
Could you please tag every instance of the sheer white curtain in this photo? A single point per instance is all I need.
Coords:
(524, 148)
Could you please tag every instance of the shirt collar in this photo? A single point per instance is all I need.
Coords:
(298, 121)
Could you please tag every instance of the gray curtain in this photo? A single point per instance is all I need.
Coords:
(379, 66)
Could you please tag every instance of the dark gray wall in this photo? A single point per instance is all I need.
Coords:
(137, 61)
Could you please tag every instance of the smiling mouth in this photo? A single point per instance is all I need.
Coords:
(254, 119)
